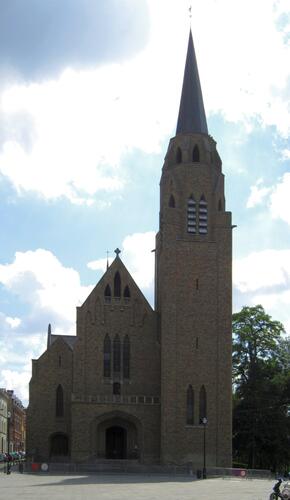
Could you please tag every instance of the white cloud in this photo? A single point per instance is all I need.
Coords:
(257, 194)
(280, 199)
(264, 278)
(13, 322)
(264, 269)
(40, 280)
(86, 121)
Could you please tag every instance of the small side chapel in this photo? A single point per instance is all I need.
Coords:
(142, 384)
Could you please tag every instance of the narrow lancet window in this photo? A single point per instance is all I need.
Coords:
(171, 202)
(59, 409)
(191, 215)
(195, 154)
(202, 216)
(220, 206)
(178, 156)
(117, 354)
(107, 294)
(107, 356)
(190, 406)
(127, 293)
(202, 404)
(126, 357)
(117, 285)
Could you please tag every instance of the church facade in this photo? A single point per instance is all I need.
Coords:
(151, 384)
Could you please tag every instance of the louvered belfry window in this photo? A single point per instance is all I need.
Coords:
(191, 215)
(202, 216)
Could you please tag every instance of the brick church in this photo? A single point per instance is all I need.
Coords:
(144, 384)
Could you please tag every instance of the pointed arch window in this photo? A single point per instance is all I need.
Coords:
(126, 357)
(220, 206)
(202, 404)
(107, 294)
(191, 215)
(190, 406)
(107, 356)
(178, 156)
(117, 354)
(202, 216)
(195, 154)
(117, 285)
(59, 406)
(127, 293)
(171, 202)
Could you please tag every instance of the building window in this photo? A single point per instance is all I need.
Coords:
(178, 156)
(220, 206)
(195, 154)
(202, 404)
(116, 388)
(59, 361)
(59, 408)
(117, 285)
(202, 216)
(127, 293)
(171, 202)
(190, 406)
(107, 294)
(107, 356)
(126, 357)
(191, 215)
(117, 354)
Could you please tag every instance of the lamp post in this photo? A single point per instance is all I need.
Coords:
(204, 423)
(8, 469)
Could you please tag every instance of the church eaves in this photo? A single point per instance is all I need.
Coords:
(191, 118)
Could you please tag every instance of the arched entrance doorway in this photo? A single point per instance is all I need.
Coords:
(117, 435)
(59, 446)
(116, 442)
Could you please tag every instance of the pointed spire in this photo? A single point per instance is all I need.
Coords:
(48, 335)
(191, 118)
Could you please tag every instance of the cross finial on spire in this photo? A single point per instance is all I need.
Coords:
(190, 10)
(117, 252)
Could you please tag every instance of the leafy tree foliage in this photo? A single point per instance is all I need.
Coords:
(261, 378)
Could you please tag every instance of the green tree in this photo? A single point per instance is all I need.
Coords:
(261, 390)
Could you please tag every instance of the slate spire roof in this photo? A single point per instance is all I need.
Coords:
(191, 118)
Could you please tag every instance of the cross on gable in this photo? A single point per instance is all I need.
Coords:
(117, 252)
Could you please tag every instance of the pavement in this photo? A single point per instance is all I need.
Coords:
(129, 487)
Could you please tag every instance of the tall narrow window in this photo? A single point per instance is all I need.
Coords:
(117, 354)
(202, 404)
(107, 294)
(126, 357)
(107, 356)
(127, 293)
(117, 285)
(190, 406)
(195, 154)
(59, 402)
(116, 388)
(191, 215)
(178, 156)
(220, 206)
(171, 202)
(202, 216)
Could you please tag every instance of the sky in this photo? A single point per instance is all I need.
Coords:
(89, 97)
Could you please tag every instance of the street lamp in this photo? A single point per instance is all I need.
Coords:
(8, 442)
(204, 423)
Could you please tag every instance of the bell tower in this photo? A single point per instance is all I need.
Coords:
(194, 289)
